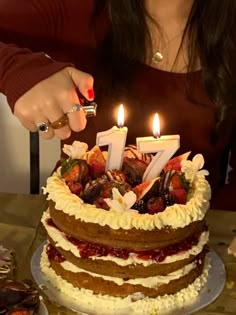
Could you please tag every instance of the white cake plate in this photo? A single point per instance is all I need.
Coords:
(212, 289)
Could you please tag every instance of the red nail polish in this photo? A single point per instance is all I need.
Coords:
(90, 94)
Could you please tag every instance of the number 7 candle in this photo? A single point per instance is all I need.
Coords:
(164, 147)
(115, 138)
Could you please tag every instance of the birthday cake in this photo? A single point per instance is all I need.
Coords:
(129, 246)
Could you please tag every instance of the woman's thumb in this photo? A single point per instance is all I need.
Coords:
(83, 81)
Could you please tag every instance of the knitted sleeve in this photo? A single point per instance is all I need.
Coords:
(27, 30)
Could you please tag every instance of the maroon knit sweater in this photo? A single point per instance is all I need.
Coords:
(31, 30)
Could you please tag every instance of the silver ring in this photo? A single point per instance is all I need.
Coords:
(75, 108)
(43, 126)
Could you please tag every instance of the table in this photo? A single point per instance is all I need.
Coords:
(20, 228)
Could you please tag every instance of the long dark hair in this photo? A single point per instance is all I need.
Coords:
(211, 35)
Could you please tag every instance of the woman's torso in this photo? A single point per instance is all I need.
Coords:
(149, 91)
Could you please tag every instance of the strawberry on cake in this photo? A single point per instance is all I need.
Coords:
(134, 247)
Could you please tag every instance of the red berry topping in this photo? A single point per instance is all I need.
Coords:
(180, 195)
(155, 205)
(75, 170)
(75, 187)
(101, 203)
(176, 181)
(72, 174)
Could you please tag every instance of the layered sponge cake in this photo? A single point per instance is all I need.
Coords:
(134, 247)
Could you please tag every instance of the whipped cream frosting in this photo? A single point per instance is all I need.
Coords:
(175, 216)
(60, 240)
(133, 304)
(148, 282)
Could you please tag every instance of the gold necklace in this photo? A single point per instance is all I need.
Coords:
(158, 56)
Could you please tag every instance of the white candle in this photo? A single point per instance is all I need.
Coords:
(165, 146)
(115, 138)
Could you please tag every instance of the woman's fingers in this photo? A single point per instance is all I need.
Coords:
(47, 107)
(77, 119)
(83, 81)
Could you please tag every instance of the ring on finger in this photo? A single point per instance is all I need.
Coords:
(75, 108)
(43, 126)
(90, 110)
(60, 123)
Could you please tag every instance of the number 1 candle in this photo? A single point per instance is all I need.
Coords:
(115, 138)
(165, 146)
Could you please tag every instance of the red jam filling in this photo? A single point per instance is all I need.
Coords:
(53, 254)
(87, 250)
(51, 223)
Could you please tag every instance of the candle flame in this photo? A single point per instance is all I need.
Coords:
(121, 115)
(156, 126)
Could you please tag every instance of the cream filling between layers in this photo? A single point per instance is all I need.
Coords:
(60, 240)
(175, 216)
(132, 304)
(149, 282)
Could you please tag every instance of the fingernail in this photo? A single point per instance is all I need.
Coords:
(90, 94)
(81, 100)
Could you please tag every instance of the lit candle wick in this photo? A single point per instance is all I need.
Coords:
(115, 138)
(156, 126)
(120, 120)
(163, 146)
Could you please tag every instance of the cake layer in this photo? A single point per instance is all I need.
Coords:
(123, 265)
(137, 304)
(135, 239)
(110, 268)
(183, 250)
(151, 286)
(175, 216)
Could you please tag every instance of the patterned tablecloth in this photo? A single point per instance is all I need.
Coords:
(20, 229)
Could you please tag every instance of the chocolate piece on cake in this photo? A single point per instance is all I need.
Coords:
(134, 170)
(7, 263)
(18, 297)
(132, 152)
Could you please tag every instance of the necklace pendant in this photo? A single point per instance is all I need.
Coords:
(157, 57)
